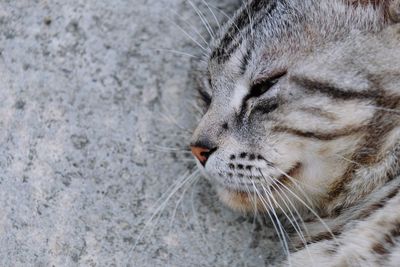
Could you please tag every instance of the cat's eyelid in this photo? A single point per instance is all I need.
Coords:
(209, 82)
(272, 77)
(205, 96)
(261, 86)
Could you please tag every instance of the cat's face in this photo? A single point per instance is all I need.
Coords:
(290, 106)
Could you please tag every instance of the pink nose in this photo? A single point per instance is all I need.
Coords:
(201, 153)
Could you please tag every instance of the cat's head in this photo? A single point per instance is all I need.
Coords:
(294, 107)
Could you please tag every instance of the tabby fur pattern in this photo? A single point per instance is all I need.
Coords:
(304, 122)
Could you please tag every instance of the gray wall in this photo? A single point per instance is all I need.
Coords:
(89, 112)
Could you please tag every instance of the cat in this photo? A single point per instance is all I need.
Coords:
(303, 121)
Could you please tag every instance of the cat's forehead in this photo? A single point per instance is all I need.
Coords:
(252, 46)
(248, 39)
(265, 35)
(249, 60)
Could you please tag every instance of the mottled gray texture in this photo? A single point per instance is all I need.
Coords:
(85, 115)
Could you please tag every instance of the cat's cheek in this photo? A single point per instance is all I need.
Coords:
(239, 201)
(207, 171)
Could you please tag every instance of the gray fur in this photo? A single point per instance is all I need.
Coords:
(333, 122)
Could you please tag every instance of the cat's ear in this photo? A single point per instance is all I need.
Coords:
(394, 11)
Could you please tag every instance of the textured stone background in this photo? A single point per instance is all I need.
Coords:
(90, 111)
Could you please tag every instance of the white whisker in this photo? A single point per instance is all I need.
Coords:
(274, 219)
(213, 14)
(310, 209)
(296, 183)
(170, 119)
(395, 111)
(295, 224)
(348, 160)
(189, 185)
(189, 36)
(203, 19)
(176, 149)
(200, 112)
(250, 20)
(177, 53)
(160, 206)
(192, 27)
(195, 214)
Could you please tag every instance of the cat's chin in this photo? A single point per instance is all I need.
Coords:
(239, 200)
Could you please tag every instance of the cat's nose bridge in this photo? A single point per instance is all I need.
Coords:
(208, 135)
(204, 138)
(210, 128)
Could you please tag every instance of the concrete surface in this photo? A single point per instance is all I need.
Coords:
(90, 111)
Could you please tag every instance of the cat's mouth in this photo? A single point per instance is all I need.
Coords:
(263, 183)
(247, 196)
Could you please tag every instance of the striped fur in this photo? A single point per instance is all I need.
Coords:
(321, 141)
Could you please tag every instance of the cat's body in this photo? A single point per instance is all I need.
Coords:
(305, 120)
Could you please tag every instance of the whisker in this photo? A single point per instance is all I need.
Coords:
(213, 14)
(200, 112)
(192, 27)
(176, 152)
(236, 180)
(177, 53)
(184, 136)
(186, 149)
(348, 160)
(279, 230)
(186, 154)
(179, 202)
(168, 195)
(203, 19)
(175, 187)
(199, 245)
(188, 35)
(313, 212)
(296, 183)
(310, 209)
(195, 214)
(299, 231)
(282, 229)
(395, 111)
(240, 49)
(172, 120)
(250, 20)
(295, 225)
(189, 185)
(191, 160)
(277, 187)
(224, 14)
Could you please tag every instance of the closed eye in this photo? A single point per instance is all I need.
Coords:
(204, 89)
(205, 97)
(261, 87)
